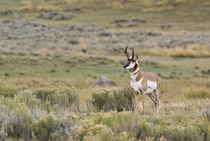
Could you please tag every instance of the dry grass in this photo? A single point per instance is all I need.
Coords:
(157, 9)
(146, 5)
(190, 51)
(42, 7)
(200, 92)
(70, 2)
(115, 5)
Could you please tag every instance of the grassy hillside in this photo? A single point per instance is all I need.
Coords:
(190, 15)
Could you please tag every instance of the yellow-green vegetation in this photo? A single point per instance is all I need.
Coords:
(129, 126)
(34, 115)
(55, 114)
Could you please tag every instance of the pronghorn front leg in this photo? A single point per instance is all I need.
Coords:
(135, 102)
(157, 102)
(143, 101)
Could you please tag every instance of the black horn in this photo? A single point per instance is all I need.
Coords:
(132, 53)
(126, 53)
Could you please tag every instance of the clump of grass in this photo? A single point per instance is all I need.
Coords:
(118, 100)
(200, 92)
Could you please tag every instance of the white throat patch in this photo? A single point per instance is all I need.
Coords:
(135, 71)
(131, 65)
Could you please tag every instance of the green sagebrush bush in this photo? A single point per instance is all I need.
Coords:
(7, 91)
(118, 100)
(50, 128)
(19, 115)
(15, 119)
(63, 98)
(130, 126)
(45, 129)
(27, 97)
(44, 94)
(66, 98)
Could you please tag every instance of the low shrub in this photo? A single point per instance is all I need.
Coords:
(44, 94)
(89, 131)
(7, 91)
(200, 92)
(15, 119)
(45, 129)
(118, 100)
(53, 129)
(27, 97)
(63, 98)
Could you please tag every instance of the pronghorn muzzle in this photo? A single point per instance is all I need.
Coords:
(126, 65)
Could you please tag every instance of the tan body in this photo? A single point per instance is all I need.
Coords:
(148, 76)
(141, 83)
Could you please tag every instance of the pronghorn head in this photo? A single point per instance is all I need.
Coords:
(132, 62)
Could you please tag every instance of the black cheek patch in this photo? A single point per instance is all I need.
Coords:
(126, 65)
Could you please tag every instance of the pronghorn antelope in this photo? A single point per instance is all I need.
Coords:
(142, 82)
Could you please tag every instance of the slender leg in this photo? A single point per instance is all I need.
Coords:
(152, 98)
(135, 102)
(143, 100)
(157, 102)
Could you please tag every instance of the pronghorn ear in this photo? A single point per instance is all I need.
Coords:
(137, 58)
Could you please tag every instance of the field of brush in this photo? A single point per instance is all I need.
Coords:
(52, 53)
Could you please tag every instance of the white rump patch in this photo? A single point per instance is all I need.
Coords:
(151, 86)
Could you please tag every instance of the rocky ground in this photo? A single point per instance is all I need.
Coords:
(29, 37)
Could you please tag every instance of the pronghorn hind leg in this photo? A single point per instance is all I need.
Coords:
(152, 98)
(157, 101)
